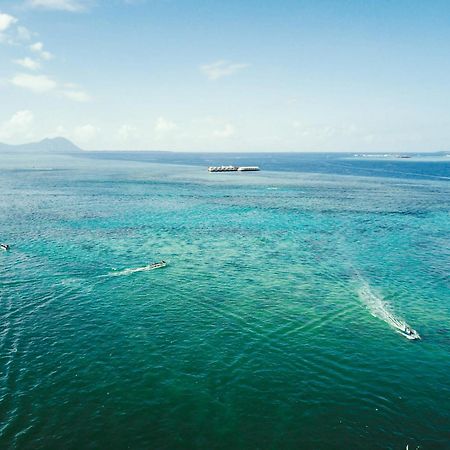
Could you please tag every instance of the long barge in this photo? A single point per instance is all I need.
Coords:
(233, 169)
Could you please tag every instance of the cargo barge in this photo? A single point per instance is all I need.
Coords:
(233, 169)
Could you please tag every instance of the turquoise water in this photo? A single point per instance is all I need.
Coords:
(268, 328)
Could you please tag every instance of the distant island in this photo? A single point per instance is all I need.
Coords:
(48, 145)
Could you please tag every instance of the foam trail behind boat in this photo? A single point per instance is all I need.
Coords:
(130, 271)
(378, 307)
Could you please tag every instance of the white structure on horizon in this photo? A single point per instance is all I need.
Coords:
(233, 169)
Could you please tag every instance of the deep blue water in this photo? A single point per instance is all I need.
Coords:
(328, 163)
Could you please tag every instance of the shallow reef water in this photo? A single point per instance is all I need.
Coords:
(267, 329)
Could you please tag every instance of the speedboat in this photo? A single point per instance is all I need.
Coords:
(4, 246)
(157, 265)
(409, 333)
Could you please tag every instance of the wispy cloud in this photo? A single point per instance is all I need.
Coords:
(227, 130)
(28, 63)
(6, 21)
(12, 33)
(85, 133)
(214, 128)
(6, 25)
(38, 84)
(58, 5)
(23, 33)
(325, 132)
(163, 125)
(127, 132)
(222, 68)
(76, 95)
(38, 48)
(20, 123)
(41, 84)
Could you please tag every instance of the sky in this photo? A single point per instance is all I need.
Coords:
(235, 75)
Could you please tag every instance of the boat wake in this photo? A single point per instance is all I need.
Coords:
(137, 269)
(380, 308)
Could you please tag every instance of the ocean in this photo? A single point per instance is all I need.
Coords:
(272, 326)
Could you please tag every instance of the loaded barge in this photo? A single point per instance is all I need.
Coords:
(233, 169)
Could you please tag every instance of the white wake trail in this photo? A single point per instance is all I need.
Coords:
(138, 269)
(380, 308)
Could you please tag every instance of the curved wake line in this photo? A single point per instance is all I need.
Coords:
(380, 308)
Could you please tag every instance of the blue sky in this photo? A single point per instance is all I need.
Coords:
(187, 75)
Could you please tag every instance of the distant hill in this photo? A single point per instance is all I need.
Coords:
(48, 145)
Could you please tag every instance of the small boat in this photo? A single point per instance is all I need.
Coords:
(157, 265)
(409, 333)
(4, 246)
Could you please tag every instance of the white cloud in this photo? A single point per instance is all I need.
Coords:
(6, 21)
(212, 128)
(23, 33)
(85, 133)
(220, 69)
(58, 131)
(326, 132)
(77, 95)
(40, 84)
(127, 132)
(58, 5)
(226, 131)
(163, 125)
(19, 124)
(35, 83)
(38, 48)
(28, 63)
(11, 33)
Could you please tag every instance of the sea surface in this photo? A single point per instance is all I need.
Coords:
(272, 326)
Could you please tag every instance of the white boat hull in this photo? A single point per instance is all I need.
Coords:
(414, 336)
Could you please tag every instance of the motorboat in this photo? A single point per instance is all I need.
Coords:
(4, 246)
(152, 266)
(409, 333)
(157, 265)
